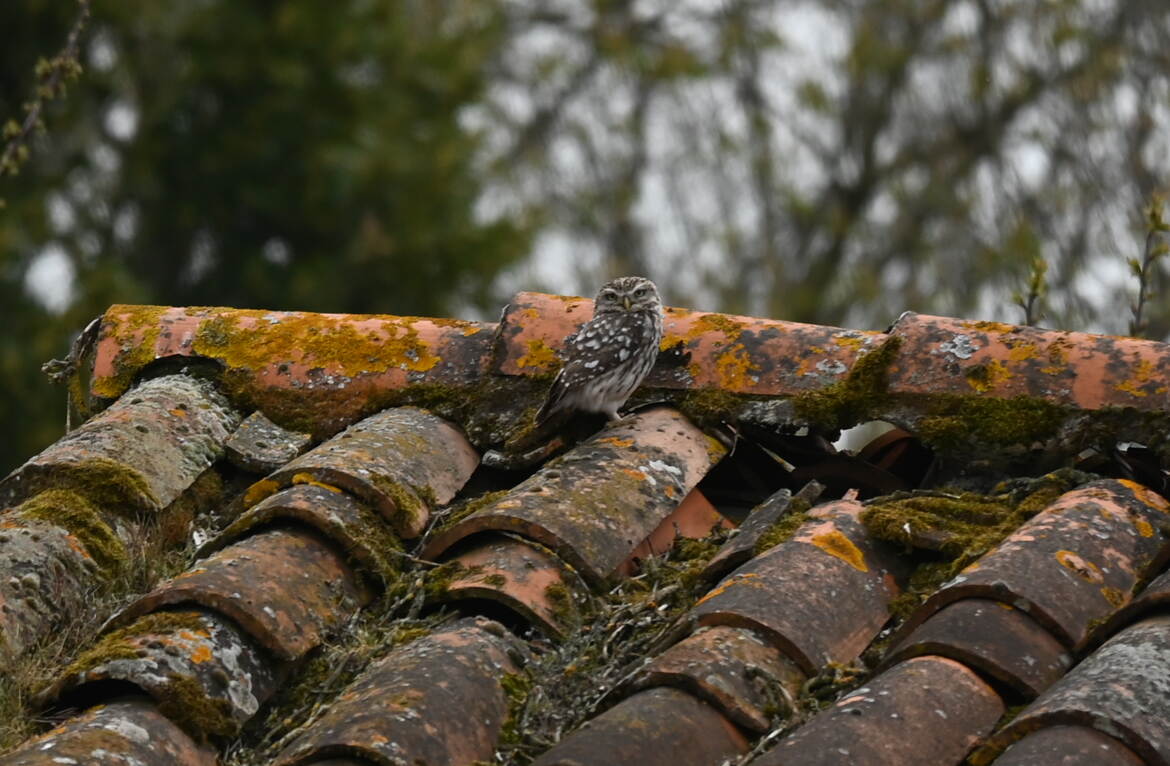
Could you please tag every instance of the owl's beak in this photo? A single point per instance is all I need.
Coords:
(626, 302)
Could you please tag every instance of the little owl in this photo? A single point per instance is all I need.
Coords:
(610, 355)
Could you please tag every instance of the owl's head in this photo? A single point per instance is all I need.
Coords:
(626, 294)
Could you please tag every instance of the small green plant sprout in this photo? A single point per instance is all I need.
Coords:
(1033, 300)
(1157, 246)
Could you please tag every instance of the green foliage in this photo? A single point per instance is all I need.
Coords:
(267, 155)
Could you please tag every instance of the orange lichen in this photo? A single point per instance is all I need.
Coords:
(201, 655)
(735, 369)
(836, 544)
(744, 579)
(616, 441)
(1146, 495)
(854, 342)
(1079, 566)
(259, 491)
(1143, 371)
(989, 327)
(136, 330)
(1022, 352)
(308, 478)
(1114, 596)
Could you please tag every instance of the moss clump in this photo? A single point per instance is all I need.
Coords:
(108, 484)
(76, 515)
(851, 400)
(956, 528)
(709, 406)
(784, 527)
(409, 508)
(956, 423)
(184, 700)
(560, 598)
(517, 687)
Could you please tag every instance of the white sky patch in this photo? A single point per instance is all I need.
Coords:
(61, 214)
(50, 278)
(121, 121)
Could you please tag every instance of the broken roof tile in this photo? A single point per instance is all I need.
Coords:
(1070, 565)
(694, 518)
(286, 587)
(1122, 690)
(821, 596)
(440, 699)
(733, 669)
(656, 727)
(260, 446)
(127, 730)
(402, 461)
(737, 354)
(597, 502)
(742, 545)
(994, 638)
(926, 711)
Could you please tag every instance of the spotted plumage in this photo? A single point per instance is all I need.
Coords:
(610, 355)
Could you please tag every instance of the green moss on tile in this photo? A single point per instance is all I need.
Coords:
(784, 527)
(111, 486)
(465, 508)
(960, 423)
(858, 396)
(80, 518)
(517, 687)
(184, 700)
(116, 645)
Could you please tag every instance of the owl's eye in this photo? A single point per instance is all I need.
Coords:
(609, 295)
(640, 292)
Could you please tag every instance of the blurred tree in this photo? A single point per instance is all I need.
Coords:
(841, 161)
(261, 154)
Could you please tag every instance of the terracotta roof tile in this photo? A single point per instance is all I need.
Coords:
(202, 670)
(597, 502)
(400, 461)
(733, 669)
(547, 548)
(127, 730)
(1122, 690)
(286, 587)
(923, 712)
(994, 638)
(1069, 746)
(656, 727)
(1070, 565)
(97, 491)
(261, 446)
(821, 596)
(438, 699)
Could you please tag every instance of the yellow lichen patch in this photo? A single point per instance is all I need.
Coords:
(539, 355)
(1080, 566)
(178, 412)
(985, 377)
(1146, 495)
(854, 342)
(990, 327)
(735, 369)
(259, 491)
(714, 323)
(1142, 373)
(255, 340)
(471, 330)
(670, 340)
(1144, 528)
(616, 441)
(307, 478)
(634, 473)
(1022, 352)
(1114, 596)
(836, 544)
